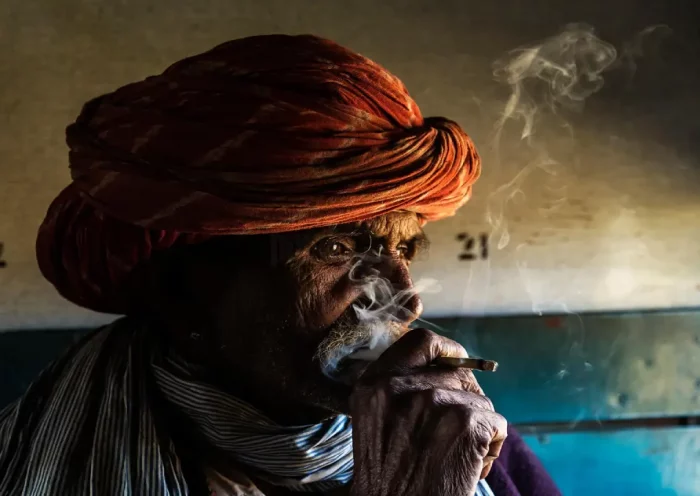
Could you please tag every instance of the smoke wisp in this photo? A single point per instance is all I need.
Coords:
(376, 320)
(558, 73)
(533, 140)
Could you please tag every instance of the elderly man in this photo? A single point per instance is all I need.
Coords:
(253, 212)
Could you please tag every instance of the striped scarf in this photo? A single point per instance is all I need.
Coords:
(305, 458)
(93, 424)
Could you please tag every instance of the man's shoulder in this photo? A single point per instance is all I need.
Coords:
(76, 411)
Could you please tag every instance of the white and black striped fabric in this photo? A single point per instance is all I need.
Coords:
(315, 457)
(98, 422)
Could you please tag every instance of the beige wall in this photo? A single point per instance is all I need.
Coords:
(624, 234)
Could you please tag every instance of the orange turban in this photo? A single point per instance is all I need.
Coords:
(264, 134)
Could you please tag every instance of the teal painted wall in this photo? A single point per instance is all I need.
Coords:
(574, 368)
(628, 462)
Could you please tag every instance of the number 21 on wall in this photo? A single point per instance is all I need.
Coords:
(473, 248)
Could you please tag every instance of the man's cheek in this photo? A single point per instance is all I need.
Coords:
(336, 301)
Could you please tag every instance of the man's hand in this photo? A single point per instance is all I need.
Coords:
(420, 430)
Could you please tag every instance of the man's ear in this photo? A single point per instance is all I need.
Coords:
(176, 299)
(167, 281)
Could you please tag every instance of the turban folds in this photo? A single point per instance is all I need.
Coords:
(259, 135)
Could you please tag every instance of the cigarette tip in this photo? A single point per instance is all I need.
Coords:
(490, 366)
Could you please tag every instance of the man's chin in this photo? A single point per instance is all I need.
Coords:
(348, 350)
(350, 371)
(339, 387)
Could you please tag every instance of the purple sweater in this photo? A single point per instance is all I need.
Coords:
(518, 472)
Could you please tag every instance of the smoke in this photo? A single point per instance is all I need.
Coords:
(557, 74)
(383, 310)
(569, 67)
(640, 46)
(376, 320)
(547, 82)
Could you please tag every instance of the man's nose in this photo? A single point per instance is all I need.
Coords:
(397, 273)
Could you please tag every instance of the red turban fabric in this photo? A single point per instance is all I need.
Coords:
(265, 134)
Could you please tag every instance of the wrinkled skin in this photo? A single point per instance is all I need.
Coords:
(421, 430)
(255, 309)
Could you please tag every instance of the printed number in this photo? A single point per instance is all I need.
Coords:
(474, 248)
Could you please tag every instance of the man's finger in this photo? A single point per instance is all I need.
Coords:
(499, 426)
(488, 464)
(475, 402)
(436, 378)
(416, 349)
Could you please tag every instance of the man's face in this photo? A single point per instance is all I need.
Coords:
(285, 312)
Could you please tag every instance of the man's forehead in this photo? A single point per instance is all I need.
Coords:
(398, 226)
(394, 228)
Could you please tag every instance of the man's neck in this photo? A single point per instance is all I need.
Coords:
(279, 405)
(279, 401)
(283, 406)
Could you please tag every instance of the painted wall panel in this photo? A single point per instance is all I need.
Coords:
(654, 462)
(587, 368)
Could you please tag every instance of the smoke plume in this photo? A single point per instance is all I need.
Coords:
(376, 320)
(547, 81)
(544, 78)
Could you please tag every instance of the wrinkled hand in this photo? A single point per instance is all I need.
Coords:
(419, 430)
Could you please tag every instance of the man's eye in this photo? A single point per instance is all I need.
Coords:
(333, 250)
(406, 251)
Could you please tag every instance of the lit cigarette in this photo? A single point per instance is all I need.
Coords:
(468, 363)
